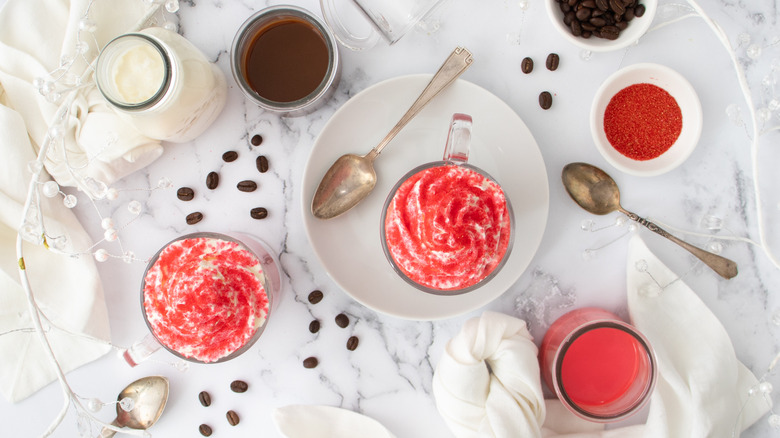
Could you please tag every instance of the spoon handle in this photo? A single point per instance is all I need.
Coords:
(108, 433)
(723, 266)
(458, 61)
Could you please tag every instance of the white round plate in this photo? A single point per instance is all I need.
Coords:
(674, 84)
(349, 245)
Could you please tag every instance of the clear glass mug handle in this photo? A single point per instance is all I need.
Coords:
(340, 31)
(458, 139)
(141, 350)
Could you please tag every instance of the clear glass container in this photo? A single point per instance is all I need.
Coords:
(161, 84)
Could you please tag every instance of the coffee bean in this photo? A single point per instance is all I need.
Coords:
(314, 326)
(342, 320)
(239, 386)
(617, 7)
(247, 186)
(352, 343)
(583, 14)
(310, 362)
(553, 60)
(229, 156)
(602, 4)
(576, 28)
(262, 164)
(232, 417)
(185, 194)
(315, 296)
(204, 398)
(194, 218)
(610, 32)
(545, 100)
(639, 10)
(527, 65)
(212, 180)
(258, 213)
(205, 429)
(256, 140)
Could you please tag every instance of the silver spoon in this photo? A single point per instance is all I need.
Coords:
(149, 396)
(597, 192)
(351, 178)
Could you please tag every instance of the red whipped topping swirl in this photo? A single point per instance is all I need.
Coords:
(204, 297)
(447, 227)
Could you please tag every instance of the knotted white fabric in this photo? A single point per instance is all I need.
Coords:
(487, 383)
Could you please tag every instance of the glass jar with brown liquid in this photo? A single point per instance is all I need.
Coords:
(285, 60)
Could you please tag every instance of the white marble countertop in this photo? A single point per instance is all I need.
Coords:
(388, 377)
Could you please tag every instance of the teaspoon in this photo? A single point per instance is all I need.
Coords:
(598, 193)
(351, 178)
(149, 396)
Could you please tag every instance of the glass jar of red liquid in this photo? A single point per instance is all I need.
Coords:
(601, 368)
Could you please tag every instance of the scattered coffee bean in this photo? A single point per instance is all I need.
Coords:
(314, 326)
(247, 186)
(262, 164)
(256, 140)
(212, 180)
(185, 194)
(204, 398)
(194, 218)
(352, 343)
(205, 430)
(552, 61)
(239, 386)
(232, 417)
(342, 320)
(229, 156)
(545, 100)
(599, 18)
(258, 213)
(527, 65)
(315, 296)
(310, 362)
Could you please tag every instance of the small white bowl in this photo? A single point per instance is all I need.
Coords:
(636, 28)
(679, 88)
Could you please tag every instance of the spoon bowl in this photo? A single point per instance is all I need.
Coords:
(595, 191)
(149, 396)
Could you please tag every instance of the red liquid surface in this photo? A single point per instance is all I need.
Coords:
(600, 366)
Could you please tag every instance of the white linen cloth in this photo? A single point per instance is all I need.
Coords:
(34, 35)
(701, 391)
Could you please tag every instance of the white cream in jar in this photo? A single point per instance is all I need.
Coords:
(161, 84)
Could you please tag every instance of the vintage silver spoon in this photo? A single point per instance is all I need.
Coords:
(351, 178)
(149, 396)
(597, 192)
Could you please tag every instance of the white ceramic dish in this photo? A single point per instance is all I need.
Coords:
(636, 28)
(349, 246)
(676, 85)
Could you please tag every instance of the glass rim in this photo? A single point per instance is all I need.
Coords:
(641, 400)
(259, 20)
(391, 260)
(225, 237)
(167, 72)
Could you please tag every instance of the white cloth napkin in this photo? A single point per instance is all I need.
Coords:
(303, 421)
(487, 383)
(34, 34)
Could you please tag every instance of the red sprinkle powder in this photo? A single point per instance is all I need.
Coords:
(642, 121)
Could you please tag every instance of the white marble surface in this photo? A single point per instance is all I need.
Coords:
(388, 377)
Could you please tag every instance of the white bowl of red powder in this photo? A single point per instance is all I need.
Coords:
(207, 297)
(646, 119)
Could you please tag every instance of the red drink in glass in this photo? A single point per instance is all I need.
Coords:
(601, 368)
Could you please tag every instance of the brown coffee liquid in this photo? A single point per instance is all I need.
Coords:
(286, 60)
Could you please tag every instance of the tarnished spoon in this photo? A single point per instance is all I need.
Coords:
(351, 178)
(597, 192)
(149, 396)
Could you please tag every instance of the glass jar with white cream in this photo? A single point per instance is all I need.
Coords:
(161, 84)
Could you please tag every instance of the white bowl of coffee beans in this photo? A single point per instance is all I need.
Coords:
(602, 25)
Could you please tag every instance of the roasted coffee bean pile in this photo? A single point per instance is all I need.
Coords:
(552, 62)
(599, 18)
(341, 320)
(237, 386)
(212, 182)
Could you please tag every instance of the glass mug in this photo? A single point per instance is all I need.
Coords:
(602, 369)
(447, 227)
(201, 274)
(390, 19)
